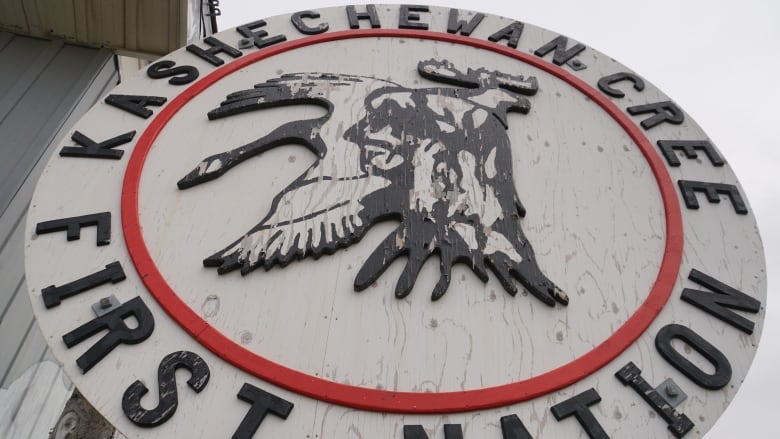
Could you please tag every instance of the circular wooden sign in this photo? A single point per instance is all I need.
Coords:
(401, 222)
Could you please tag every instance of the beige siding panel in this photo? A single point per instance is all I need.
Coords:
(147, 27)
(131, 24)
(105, 23)
(32, 16)
(113, 23)
(80, 17)
(177, 30)
(56, 20)
(153, 23)
(13, 19)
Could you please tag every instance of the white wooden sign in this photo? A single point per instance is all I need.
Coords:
(395, 222)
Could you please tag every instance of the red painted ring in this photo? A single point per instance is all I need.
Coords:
(385, 400)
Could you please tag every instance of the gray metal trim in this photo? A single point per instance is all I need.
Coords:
(28, 78)
(5, 38)
(53, 125)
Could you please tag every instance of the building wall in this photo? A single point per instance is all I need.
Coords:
(45, 87)
(148, 28)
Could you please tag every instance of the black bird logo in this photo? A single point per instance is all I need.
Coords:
(436, 159)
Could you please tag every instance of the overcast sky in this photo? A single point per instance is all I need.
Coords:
(719, 61)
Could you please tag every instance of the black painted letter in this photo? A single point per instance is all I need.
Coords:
(167, 69)
(663, 343)
(561, 55)
(166, 383)
(455, 24)
(259, 37)
(262, 403)
(578, 406)
(512, 428)
(510, 33)
(135, 104)
(93, 150)
(74, 224)
(354, 17)
(118, 332)
(451, 431)
(52, 295)
(605, 82)
(711, 191)
(665, 111)
(297, 21)
(210, 54)
(689, 147)
(409, 19)
(678, 423)
(716, 304)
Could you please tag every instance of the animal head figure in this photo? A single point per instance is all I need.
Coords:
(436, 159)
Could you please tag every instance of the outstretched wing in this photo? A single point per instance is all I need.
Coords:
(322, 209)
(316, 214)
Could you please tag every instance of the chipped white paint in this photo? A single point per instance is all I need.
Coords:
(490, 164)
(214, 166)
(594, 217)
(425, 195)
(447, 128)
(478, 117)
(473, 199)
(303, 213)
(491, 98)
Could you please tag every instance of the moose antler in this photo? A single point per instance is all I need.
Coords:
(445, 71)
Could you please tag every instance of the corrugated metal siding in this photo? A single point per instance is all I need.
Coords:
(152, 27)
(45, 87)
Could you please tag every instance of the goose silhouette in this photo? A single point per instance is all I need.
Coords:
(437, 160)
